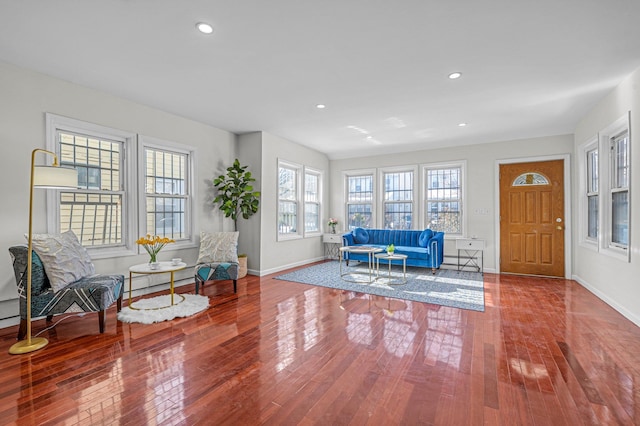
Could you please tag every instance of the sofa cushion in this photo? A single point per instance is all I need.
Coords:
(65, 260)
(424, 238)
(360, 236)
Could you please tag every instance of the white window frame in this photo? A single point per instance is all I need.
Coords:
(583, 186)
(318, 174)
(298, 168)
(606, 135)
(55, 123)
(374, 195)
(414, 193)
(462, 164)
(173, 147)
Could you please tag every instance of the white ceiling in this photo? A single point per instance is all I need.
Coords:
(530, 68)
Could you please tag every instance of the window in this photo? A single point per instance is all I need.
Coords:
(359, 200)
(165, 171)
(443, 198)
(592, 194)
(288, 199)
(312, 201)
(100, 211)
(614, 183)
(397, 199)
(620, 190)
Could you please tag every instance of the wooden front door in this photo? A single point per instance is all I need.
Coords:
(532, 218)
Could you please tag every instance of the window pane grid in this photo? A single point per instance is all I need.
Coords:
(165, 172)
(287, 217)
(620, 218)
(621, 161)
(360, 188)
(443, 206)
(311, 188)
(398, 187)
(592, 194)
(592, 217)
(95, 218)
(166, 192)
(97, 161)
(94, 212)
(620, 190)
(312, 202)
(359, 216)
(312, 217)
(398, 215)
(287, 188)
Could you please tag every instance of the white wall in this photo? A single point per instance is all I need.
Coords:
(278, 255)
(25, 96)
(615, 281)
(249, 241)
(480, 181)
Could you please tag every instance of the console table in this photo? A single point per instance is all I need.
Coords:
(470, 248)
(332, 243)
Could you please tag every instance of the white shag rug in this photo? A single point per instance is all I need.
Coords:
(158, 309)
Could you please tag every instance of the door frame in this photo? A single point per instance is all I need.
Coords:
(568, 196)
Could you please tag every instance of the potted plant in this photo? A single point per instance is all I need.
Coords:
(391, 249)
(236, 198)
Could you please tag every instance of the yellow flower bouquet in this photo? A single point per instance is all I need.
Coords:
(153, 245)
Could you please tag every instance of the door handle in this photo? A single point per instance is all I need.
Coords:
(559, 228)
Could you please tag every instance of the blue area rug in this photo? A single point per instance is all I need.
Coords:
(458, 289)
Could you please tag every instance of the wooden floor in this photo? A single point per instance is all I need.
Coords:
(545, 352)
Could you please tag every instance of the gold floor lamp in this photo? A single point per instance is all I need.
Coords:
(46, 177)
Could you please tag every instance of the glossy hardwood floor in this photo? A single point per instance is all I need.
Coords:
(545, 352)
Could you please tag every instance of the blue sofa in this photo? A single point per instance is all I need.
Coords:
(423, 248)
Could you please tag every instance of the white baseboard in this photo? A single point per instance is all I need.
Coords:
(291, 265)
(140, 291)
(609, 301)
(10, 322)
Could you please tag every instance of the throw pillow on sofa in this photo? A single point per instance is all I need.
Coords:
(424, 238)
(360, 236)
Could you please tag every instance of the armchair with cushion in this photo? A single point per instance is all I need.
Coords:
(90, 293)
(218, 258)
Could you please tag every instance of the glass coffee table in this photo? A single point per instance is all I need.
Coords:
(370, 251)
(389, 257)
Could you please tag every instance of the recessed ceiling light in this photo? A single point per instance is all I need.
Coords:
(321, 106)
(462, 124)
(204, 28)
(369, 137)
(455, 75)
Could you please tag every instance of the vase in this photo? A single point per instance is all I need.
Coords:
(153, 261)
(333, 229)
(242, 266)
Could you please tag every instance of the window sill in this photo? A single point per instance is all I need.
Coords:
(615, 253)
(289, 237)
(590, 245)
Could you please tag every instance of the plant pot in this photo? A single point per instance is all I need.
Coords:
(242, 268)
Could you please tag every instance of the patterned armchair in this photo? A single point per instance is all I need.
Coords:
(218, 258)
(90, 294)
(216, 271)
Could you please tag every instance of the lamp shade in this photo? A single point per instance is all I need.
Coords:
(54, 177)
